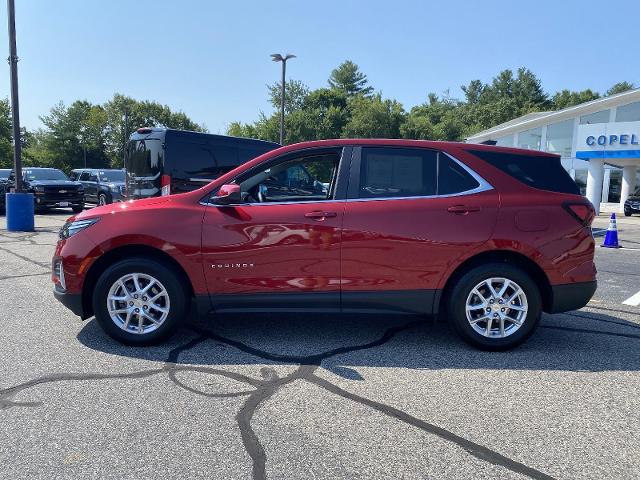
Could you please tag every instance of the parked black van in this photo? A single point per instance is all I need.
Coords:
(162, 161)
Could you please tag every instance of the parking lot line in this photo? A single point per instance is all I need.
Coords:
(633, 300)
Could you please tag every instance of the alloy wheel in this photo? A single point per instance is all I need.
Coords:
(138, 303)
(496, 307)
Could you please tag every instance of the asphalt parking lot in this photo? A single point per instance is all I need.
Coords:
(286, 397)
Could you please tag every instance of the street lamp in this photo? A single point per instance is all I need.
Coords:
(276, 57)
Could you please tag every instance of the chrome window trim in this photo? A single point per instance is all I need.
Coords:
(483, 186)
(203, 180)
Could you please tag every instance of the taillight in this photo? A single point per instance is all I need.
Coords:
(582, 212)
(165, 183)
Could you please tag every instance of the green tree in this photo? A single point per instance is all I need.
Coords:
(295, 93)
(619, 88)
(567, 98)
(6, 135)
(349, 79)
(373, 117)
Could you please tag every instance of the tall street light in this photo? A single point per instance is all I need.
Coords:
(276, 57)
(19, 205)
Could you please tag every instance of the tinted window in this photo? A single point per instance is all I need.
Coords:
(93, 177)
(4, 174)
(189, 160)
(310, 178)
(545, 173)
(84, 176)
(111, 176)
(145, 158)
(452, 178)
(398, 172)
(45, 174)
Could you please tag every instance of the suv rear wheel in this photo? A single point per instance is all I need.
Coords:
(495, 306)
(139, 301)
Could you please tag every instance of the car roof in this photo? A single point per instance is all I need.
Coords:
(395, 142)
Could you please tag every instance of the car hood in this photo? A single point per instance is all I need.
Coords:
(54, 183)
(122, 207)
(634, 198)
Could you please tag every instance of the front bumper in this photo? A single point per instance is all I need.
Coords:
(632, 207)
(571, 296)
(73, 301)
(43, 201)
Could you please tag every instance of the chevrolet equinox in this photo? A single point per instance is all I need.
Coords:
(485, 237)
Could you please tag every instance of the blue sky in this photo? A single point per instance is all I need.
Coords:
(211, 60)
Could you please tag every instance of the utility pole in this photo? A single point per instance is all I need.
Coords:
(15, 109)
(276, 57)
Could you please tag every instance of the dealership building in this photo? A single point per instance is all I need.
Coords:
(599, 143)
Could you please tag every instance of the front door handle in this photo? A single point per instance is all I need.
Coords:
(463, 209)
(319, 215)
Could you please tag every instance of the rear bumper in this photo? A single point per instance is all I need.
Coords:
(73, 301)
(571, 296)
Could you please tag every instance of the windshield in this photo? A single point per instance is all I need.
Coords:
(111, 176)
(45, 174)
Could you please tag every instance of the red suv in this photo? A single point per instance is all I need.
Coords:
(485, 237)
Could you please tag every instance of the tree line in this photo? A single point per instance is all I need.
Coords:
(348, 106)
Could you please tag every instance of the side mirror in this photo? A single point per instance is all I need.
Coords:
(228, 194)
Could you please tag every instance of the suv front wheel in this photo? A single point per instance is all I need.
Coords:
(494, 306)
(139, 301)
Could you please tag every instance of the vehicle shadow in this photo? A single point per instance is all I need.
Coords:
(576, 341)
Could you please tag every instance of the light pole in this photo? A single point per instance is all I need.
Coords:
(276, 57)
(19, 205)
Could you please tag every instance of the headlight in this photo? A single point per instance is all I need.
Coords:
(71, 228)
(38, 188)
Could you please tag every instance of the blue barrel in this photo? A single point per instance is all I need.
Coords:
(20, 212)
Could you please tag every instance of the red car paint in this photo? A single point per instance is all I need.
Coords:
(337, 247)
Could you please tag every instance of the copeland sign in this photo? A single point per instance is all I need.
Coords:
(608, 140)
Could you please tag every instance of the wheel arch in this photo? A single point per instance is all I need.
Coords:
(122, 252)
(500, 256)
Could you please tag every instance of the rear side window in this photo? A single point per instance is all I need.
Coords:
(398, 172)
(411, 172)
(452, 178)
(541, 172)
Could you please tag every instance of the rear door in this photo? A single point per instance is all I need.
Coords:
(411, 214)
(280, 248)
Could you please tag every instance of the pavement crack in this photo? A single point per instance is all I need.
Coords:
(479, 451)
(27, 259)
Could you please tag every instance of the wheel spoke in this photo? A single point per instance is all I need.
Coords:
(517, 308)
(149, 285)
(502, 326)
(122, 310)
(159, 309)
(487, 331)
(140, 322)
(477, 306)
(479, 319)
(150, 318)
(136, 282)
(516, 292)
(118, 299)
(503, 290)
(491, 289)
(128, 319)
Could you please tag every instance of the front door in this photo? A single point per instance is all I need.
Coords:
(280, 248)
(412, 213)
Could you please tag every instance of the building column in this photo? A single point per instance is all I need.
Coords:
(628, 184)
(594, 182)
(606, 182)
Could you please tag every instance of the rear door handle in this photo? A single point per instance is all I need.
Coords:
(318, 215)
(463, 209)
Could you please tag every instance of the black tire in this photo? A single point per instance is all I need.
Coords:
(168, 278)
(627, 213)
(466, 282)
(77, 209)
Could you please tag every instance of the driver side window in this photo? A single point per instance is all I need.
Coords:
(303, 179)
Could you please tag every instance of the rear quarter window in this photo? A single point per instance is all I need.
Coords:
(541, 172)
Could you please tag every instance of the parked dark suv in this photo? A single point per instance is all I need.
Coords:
(51, 188)
(485, 237)
(4, 179)
(162, 161)
(632, 204)
(101, 186)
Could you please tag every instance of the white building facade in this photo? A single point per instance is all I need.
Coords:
(598, 141)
